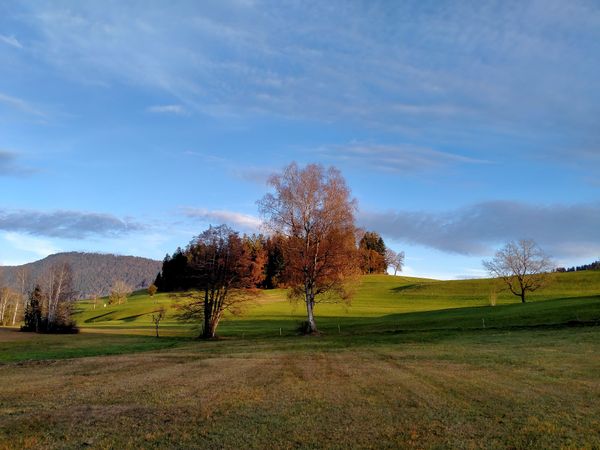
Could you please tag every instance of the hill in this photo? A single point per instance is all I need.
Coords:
(93, 273)
(382, 303)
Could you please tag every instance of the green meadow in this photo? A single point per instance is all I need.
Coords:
(410, 363)
(382, 303)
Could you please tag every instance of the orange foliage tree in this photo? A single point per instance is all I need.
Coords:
(312, 208)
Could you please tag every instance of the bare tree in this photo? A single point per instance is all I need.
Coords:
(59, 290)
(394, 260)
(312, 208)
(119, 292)
(523, 267)
(22, 281)
(94, 297)
(7, 298)
(157, 316)
(219, 266)
(49, 306)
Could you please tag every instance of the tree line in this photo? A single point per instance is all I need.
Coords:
(44, 306)
(313, 249)
(591, 266)
(267, 263)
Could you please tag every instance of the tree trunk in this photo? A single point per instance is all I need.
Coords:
(310, 305)
(522, 296)
(14, 319)
(206, 329)
(157, 329)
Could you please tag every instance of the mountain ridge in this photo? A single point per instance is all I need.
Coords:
(93, 273)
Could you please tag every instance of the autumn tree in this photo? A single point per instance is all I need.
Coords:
(152, 290)
(372, 253)
(254, 247)
(522, 266)
(221, 278)
(394, 260)
(119, 292)
(312, 208)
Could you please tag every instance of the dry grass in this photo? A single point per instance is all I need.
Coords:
(492, 390)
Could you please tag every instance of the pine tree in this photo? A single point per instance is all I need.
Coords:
(33, 310)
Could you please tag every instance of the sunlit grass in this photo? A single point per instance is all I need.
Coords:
(382, 302)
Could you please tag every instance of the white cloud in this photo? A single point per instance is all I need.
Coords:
(468, 68)
(10, 40)
(244, 221)
(167, 109)
(396, 158)
(21, 105)
(564, 231)
(39, 247)
(65, 224)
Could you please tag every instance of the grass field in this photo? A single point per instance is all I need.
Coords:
(411, 363)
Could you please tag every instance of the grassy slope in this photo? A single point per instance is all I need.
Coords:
(381, 303)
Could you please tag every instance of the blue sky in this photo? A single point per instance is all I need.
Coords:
(128, 127)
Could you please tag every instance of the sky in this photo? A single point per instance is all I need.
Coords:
(128, 127)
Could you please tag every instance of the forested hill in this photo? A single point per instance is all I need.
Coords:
(93, 273)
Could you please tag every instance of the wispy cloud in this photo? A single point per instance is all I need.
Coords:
(452, 68)
(37, 246)
(255, 175)
(168, 109)
(401, 158)
(10, 40)
(245, 222)
(21, 105)
(10, 166)
(563, 230)
(65, 224)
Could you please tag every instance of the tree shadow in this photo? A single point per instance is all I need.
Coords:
(132, 318)
(100, 317)
(408, 287)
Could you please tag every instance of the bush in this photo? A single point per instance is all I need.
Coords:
(54, 328)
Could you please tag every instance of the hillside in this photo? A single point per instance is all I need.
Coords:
(382, 303)
(93, 273)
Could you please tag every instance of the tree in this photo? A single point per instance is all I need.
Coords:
(275, 265)
(7, 297)
(119, 292)
(312, 209)
(33, 310)
(254, 247)
(59, 294)
(221, 278)
(22, 281)
(394, 260)
(174, 273)
(152, 290)
(157, 316)
(372, 252)
(523, 267)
